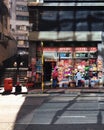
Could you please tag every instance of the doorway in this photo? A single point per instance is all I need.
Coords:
(47, 71)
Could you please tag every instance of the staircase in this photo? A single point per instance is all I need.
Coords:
(11, 73)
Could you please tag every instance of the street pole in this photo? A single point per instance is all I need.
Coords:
(18, 60)
(18, 86)
(42, 67)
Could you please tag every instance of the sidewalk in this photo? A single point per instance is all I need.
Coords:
(56, 90)
(68, 90)
(24, 90)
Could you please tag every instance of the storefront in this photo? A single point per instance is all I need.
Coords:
(70, 34)
(68, 58)
(71, 59)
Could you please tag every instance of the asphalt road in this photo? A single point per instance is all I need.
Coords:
(72, 111)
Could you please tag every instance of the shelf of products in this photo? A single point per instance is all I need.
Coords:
(85, 62)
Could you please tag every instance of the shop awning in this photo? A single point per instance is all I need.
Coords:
(50, 56)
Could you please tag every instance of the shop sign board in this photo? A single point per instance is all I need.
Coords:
(69, 49)
(81, 54)
(64, 55)
(85, 49)
(57, 49)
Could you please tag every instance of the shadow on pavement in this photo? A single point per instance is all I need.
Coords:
(6, 93)
(27, 112)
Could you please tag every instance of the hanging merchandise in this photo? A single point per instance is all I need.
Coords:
(100, 63)
(94, 67)
(86, 68)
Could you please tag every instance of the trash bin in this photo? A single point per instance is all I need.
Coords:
(8, 84)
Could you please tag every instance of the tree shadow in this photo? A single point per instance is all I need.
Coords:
(60, 112)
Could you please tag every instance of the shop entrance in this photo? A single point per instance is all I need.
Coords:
(47, 71)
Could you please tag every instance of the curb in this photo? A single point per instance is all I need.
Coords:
(53, 91)
(3, 92)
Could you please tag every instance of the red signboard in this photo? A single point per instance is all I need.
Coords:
(60, 49)
(85, 49)
(49, 49)
(81, 49)
(93, 49)
(65, 49)
(69, 49)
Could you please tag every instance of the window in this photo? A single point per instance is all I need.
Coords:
(22, 27)
(21, 8)
(24, 18)
(69, 20)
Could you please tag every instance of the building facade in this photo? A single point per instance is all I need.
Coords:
(7, 42)
(69, 33)
(19, 26)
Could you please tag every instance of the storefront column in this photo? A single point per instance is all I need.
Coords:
(42, 45)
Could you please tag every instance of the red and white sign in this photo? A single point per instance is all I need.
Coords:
(93, 49)
(58, 49)
(81, 49)
(85, 49)
(65, 49)
(48, 49)
(69, 49)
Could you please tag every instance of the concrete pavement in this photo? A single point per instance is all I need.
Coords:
(17, 110)
(44, 111)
